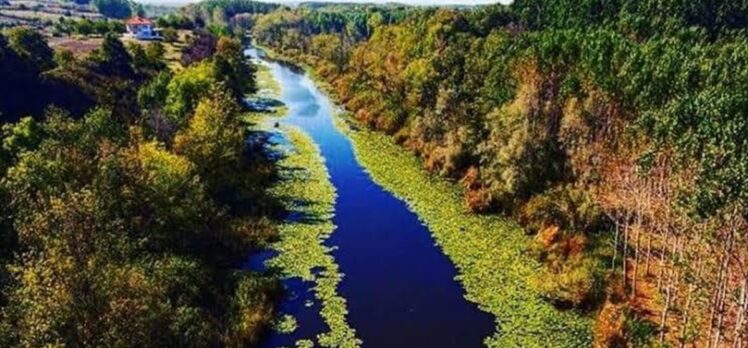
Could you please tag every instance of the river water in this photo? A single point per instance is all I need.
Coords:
(399, 286)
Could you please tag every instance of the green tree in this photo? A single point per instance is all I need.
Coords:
(233, 69)
(84, 27)
(149, 60)
(22, 136)
(112, 58)
(170, 35)
(187, 88)
(213, 138)
(113, 8)
(31, 46)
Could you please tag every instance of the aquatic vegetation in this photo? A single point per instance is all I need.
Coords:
(268, 86)
(488, 251)
(265, 100)
(304, 344)
(305, 189)
(285, 324)
(309, 195)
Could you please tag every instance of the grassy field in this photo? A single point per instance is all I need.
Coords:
(82, 46)
(173, 50)
(37, 12)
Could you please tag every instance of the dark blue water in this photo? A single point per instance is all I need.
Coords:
(400, 287)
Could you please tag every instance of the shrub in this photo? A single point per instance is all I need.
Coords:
(574, 282)
(186, 89)
(170, 35)
(564, 206)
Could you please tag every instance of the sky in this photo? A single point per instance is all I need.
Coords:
(410, 2)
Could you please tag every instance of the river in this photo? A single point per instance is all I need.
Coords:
(399, 286)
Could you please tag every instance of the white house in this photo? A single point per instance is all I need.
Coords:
(141, 28)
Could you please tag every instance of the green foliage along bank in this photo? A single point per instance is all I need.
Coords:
(122, 221)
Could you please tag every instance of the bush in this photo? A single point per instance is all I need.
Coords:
(574, 282)
(170, 35)
(31, 45)
(202, 46)
(638, 332)
(565, 207)
(570, 277)
(186, 89)
(609, 326)
(251, 309)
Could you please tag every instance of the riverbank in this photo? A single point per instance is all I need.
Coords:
(488, 251)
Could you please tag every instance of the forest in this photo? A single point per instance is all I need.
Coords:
(613, 131)
(129, 197)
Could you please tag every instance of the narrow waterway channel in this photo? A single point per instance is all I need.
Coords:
(399, 286)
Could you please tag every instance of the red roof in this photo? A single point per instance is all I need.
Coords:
(139, 20)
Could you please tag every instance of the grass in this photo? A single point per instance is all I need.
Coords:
(172, 50)
(79, 46)
(304, 187)
(488, 251)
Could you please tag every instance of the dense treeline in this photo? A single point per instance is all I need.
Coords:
(114, 8)
(238, 16)
(614, 131)
(128, 199)
(293, 29)
(224, 15)
(87, 27)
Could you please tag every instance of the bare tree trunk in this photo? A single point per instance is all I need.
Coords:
(649, 253)
(689, 299)
(740, 317)
(718, 305)
(663, 253)
(625, 250)
(636, 261)
(665, 309)
(615, 245)
(669, 295)
(721, 312)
